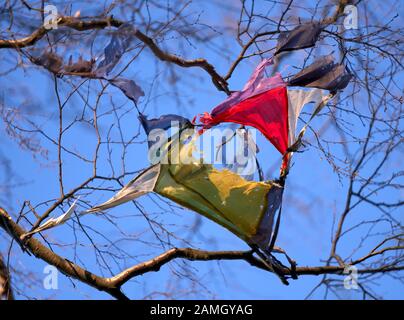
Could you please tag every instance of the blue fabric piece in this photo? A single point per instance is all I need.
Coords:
(129, 88)
(303, 36)
(115, 49)
(163, 122)
(323, 73)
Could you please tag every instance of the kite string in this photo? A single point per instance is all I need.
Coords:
(275, 233)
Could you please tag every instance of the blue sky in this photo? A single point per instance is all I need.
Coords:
(313, 192)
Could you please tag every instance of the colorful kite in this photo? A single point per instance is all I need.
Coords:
(246, 208)
(267, 105)
(264, 103)
(257, 84)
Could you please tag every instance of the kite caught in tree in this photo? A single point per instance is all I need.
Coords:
(246, 208)
(269, 106)
(249, 209)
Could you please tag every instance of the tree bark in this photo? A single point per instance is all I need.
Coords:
(5, 284)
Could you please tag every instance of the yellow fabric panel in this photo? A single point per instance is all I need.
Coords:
(171, 189)
(222, 196)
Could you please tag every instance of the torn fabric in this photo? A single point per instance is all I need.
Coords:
(224, 197)
(241, 206)
(164, 122)
(250, 106)
(53, 222)
(301, 37)
(142, 184)
(319, 104)
(297, 99)
(324, 73)
(246, 208)
(267, 112)
(274, 113)
(113, 52)
(119, 43)
(128, 87)
(256, 85)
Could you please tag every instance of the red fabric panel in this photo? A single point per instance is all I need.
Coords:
(267, 112)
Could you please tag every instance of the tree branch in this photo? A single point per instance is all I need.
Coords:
(113, 284)
(82, 25)
(5, 282)
(65, 266)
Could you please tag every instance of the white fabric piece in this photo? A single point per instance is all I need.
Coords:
(297, 99)
(53, 222)
(142, 184)
(318, 108)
